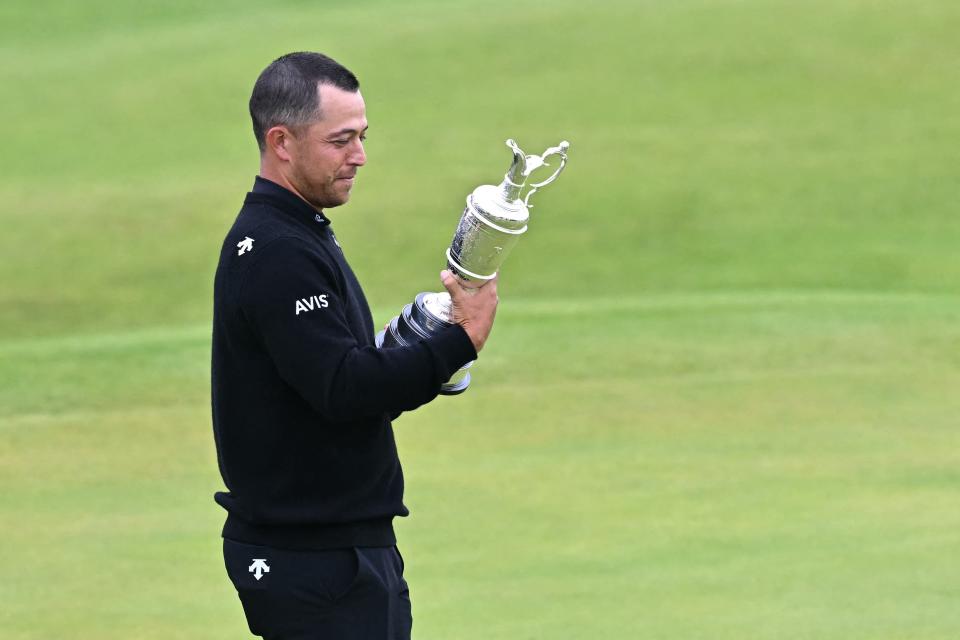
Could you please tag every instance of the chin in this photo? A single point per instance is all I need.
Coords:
(329, 204)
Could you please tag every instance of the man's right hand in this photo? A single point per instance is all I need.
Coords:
(473, 309)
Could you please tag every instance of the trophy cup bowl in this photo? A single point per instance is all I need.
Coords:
(491, 224)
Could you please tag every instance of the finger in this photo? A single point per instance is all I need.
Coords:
(450, 283)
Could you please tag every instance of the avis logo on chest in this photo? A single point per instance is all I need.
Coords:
(311, 303)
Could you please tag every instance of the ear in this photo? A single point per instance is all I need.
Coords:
(279, 140)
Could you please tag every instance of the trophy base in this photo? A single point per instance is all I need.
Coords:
(426, 315)
(454, 390)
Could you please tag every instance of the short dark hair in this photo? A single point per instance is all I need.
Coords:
(286, 91)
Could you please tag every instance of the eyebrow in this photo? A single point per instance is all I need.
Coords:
(334, 134)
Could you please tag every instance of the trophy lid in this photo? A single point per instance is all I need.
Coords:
(523, 165)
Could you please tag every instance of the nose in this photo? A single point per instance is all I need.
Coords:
(358, 156)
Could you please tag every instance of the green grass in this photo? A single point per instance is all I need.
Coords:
(720, 399)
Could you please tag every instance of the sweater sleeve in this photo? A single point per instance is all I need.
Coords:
(291, 298)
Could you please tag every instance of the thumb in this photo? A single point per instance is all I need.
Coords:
(449, 283)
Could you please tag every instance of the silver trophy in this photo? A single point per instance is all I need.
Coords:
(492, 222)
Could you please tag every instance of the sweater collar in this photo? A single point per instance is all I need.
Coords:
(288, 201)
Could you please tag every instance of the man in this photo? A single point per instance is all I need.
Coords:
(302, 399)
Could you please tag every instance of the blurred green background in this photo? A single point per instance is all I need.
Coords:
(720, 400)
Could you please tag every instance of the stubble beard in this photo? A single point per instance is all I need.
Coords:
(324, 196)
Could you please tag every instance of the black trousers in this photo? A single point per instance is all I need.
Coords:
(339, 594)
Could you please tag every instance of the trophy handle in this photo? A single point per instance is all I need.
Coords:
(560, 150)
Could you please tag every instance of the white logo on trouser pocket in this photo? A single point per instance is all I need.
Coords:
(259, 567)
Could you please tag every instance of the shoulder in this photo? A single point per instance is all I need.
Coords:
(257, 226)
(262, 236)
(286, 261)
(266, 251)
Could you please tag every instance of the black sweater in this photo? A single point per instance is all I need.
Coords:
(302, 399)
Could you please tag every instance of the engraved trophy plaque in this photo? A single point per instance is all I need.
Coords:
(494, 219)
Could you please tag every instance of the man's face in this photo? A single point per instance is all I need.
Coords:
(325, 155)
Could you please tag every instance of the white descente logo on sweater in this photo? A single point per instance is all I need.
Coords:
(311, 303)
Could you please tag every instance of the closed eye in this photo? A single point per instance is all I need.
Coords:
(350, 133)
(343, 143)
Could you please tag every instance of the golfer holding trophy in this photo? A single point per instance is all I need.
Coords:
(491, 224)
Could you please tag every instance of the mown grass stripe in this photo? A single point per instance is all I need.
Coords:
(530, 307)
